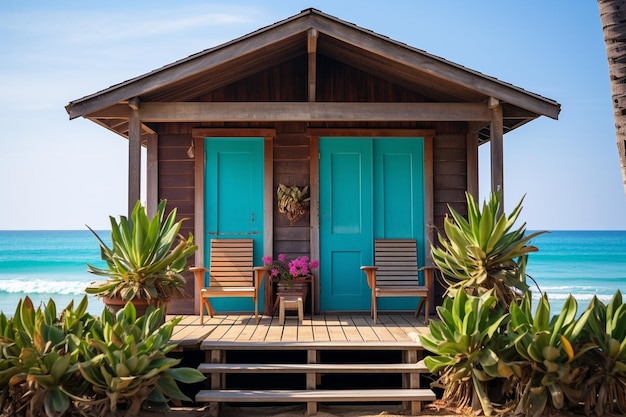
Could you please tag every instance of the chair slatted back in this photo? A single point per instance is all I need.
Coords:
(396, 260)
(231, 263)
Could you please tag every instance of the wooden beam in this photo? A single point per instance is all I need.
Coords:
(134, 158)
(369, 132)
(314, 194)
(472, 162)
(152, 174)
(133, 103)
(310, 112)
(230, 132)
(268, 206)
(120, 112)
(497, 151)
(198, 212)
(312, 51)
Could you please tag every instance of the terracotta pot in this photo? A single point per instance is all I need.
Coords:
(116, 304)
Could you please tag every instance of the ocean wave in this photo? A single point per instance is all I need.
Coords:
(568, 288)
(577, 296)
(557, 299)
(41, 286)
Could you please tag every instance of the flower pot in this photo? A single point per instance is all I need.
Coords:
(293, 288)
(116, 304)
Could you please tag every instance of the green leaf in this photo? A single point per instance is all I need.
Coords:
(170, 389)
(541, 320)
(60, 366)
(56, 400)
(435, 363)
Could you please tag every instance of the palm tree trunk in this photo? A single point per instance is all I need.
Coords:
(613, 18)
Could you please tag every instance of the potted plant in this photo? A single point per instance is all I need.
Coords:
(293, 202)
(290, 276)
(286, 272)
(145, 261)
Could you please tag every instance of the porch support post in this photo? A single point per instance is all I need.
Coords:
(312, 50)
(472, 162)
(152, 175)
(134, 154)
(497, 148)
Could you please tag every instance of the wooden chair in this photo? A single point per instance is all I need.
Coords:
(231, 274)
(395, 273)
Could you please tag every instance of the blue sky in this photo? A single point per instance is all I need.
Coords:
(61, 174)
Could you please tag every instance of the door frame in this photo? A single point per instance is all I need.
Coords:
(315, 133)
(198, 136)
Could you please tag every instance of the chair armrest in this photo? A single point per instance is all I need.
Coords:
(259, 273)
(429, 271)
(370, 273)
(198, 272)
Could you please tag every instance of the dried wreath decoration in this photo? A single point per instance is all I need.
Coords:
(293, 202)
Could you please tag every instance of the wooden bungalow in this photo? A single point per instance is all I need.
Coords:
(386, 136)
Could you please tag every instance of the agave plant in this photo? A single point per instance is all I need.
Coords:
(484, 252)
(604, 391)
(130, 367)
(461, 343)
(38, 365)
(77, 364)
(144, 261)
(548, 350)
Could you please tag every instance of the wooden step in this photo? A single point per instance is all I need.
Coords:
(325, 395)
(334, 345)
(349, 368)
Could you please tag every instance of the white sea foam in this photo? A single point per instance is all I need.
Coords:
(41, 286)
(578, 296)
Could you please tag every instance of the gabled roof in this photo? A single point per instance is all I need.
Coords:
(411, 68)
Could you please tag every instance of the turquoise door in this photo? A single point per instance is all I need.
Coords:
(234, 200)
(345, 222)
(369, 189)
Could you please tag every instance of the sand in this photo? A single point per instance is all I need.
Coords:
(323, 411)
(329, 411)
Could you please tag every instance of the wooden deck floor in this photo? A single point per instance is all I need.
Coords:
(391, 331)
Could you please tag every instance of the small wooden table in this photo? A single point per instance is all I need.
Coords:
(290, 302)
(271, 303)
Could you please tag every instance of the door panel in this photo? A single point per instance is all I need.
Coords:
(234, 200)
(345, 222)
(398, 193)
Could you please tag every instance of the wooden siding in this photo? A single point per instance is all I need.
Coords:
(286, 81)
(450, 174)
(291, 167)
(337, 82)
(176, 184)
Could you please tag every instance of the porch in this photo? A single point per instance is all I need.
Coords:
(325, 359)
(348, 330)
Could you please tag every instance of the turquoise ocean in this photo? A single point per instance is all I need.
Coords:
(53, 264)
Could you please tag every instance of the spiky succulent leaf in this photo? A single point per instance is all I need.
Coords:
(146, 259)
(483, 251)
